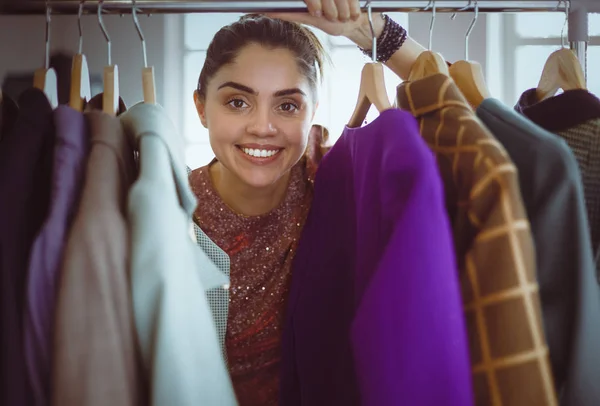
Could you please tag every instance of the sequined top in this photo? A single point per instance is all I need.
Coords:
(261, 249)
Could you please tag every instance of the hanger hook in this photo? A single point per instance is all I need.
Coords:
(369, 8)
(470, 29)
(48, 21)
(79, 14)
(103, 28)
(138, 27)
(432, 23)
(562, 31)
(468, 6)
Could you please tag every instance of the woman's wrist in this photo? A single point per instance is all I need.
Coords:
(391, 40)
(402, 60)
(362, 35)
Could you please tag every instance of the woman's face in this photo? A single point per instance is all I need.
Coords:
(258, 111)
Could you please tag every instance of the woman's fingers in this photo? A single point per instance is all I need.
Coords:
(355, 11)
(330, 10)
(343, 10)
(314, 7)
(335, 10)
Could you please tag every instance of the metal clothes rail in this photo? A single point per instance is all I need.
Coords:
(199, 6)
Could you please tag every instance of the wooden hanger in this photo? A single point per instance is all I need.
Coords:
(148, 82)
(561, 71)
(110, 96)
(428, 63)
(470, 80)
(372, 84)
(80, 89)
(468, 75)
(372, 92)
(44, 78)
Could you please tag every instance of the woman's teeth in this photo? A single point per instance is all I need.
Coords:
(260, 153)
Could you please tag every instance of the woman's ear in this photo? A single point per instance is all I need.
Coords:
(200, 108)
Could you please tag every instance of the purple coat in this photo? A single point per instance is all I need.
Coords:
(375, 315)
(70, 154)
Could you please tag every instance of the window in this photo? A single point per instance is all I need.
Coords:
(529, 38)
(337, 96)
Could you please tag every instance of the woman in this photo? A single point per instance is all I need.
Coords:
(257, 96)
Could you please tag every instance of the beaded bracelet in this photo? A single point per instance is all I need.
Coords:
(390, 40)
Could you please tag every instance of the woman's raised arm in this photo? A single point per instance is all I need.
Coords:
(359, 32)
(401, 61)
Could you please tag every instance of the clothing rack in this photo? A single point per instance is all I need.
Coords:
(578, 21)
(200, 6)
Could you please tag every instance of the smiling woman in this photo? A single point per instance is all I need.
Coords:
(257, 93)
(257, 96)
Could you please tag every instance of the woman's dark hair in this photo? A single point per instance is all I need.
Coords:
(268, 32)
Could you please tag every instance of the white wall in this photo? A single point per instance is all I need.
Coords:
(21, 43)
(449, 35)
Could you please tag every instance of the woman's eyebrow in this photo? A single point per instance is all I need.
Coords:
(246, 89)
(289, 92)
(239, 87)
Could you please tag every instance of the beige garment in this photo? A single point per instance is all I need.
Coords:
(494, 247)
(95, 356)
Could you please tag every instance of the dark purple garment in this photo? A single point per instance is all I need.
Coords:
(8, 114)
(561, 112)
(375, 315)
(70, 153)
(26, 156)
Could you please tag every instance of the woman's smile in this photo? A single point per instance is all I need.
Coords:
(260, 155)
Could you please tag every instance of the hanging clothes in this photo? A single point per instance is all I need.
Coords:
(169, 274)
(574, 116)
(373, 318)
(26, 158)
(8, 114)
(553, 196)
(95, 357)
(494, 247)
(70, 156)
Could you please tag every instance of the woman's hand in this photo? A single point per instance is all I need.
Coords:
(335, 10)
(357, 31)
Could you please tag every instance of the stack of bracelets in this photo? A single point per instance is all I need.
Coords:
(390, 40)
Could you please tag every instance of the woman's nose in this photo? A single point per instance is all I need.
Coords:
(262, 124)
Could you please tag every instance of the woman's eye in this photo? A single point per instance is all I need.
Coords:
(289, 107)
(237, 103)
